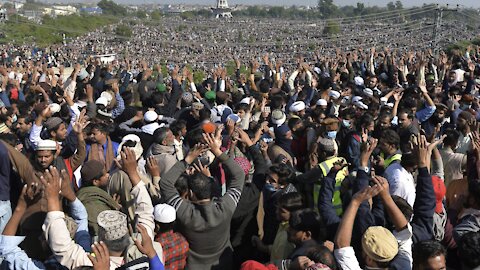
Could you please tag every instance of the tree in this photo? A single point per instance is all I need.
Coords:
(331, 28)
(360, 9)
(111, 8)
(398, 5)
(141, 14)
(156, 15)
(123, 31)
(327, 9)
(391, 6)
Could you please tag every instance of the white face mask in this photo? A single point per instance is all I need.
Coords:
(14, 118)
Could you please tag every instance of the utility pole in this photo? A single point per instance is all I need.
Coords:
(438, 25)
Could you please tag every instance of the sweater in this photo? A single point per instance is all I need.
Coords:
(206, 226)
(95, 201)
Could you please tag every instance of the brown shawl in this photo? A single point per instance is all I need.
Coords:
(95, 154)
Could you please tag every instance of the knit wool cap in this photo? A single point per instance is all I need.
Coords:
(379, 244)
(210, 95)
(112, 224)
(91, 169)
(53, 122)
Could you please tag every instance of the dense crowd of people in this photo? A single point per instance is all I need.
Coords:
(362, 159)
(205, 43)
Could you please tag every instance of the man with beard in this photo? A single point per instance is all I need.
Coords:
(23, 125)
(46, 155)
(436, 119)
(464, 122)
(384, 122)
(102, 147)
(163, 149)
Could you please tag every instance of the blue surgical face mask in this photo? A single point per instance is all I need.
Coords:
(332, 134)
(269, 187)
(346, 123)
(464, 107)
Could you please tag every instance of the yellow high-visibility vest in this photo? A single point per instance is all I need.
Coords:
(336, 200)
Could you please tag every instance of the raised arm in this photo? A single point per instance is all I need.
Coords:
(9, 251)
(396, 216)
(167, 185)
(120, 107)
(325, 205)
(66, 252)
(81, 153)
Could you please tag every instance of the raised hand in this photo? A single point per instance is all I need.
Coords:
(129, 165)
(382, 183)
(30, 194)
(243, 137)
(101, 260)
(51, 182)
(81, 123)
(366, 193)
(212, 144)
(202, 169)
(152, 167)
(368, 148)
(196, 151)
(423, 152)
(66, 188)
(145, 245)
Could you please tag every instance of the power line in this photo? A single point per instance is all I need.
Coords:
(378, 14)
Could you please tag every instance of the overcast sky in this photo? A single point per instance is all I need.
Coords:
(406, 3)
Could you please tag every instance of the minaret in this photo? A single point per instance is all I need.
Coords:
(222, 10)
